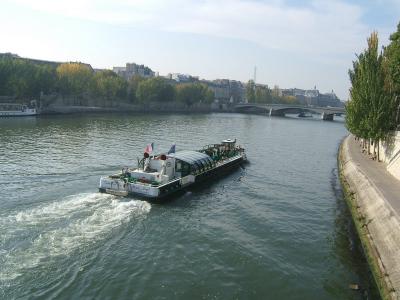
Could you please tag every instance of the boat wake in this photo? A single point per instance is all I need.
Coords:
(32, 237)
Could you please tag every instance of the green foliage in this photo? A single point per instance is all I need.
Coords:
(73, 78)
(133, 84)
(369, 113)
(27, 79)
(286, 100)
(108, 85)
(190, 93)
(22, 78)
(263, 94)
(208, 95)
(155, 90)
(392, 63)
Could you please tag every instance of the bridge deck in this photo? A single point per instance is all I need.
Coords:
(283, 107)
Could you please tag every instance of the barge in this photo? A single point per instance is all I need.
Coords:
(158, 176)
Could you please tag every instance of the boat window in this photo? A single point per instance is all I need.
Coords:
(197, 166)
(185, 169)
(200, 164)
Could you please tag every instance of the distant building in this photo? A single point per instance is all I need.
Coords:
(329, 99)
(178, 77)
(313, 97)
(237, 91)
(132, 69)
(121, 71)
(227, 91)
(276, 91)
(311, 93)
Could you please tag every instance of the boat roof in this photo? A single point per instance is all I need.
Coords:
(192, 157)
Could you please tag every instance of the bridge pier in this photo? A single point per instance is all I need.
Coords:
(276, 113)
(327, 117)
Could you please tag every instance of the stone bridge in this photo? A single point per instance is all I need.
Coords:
(326, 113)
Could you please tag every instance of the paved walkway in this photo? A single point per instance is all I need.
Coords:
(376, 172)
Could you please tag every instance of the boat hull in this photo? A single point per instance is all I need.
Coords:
(27, 113)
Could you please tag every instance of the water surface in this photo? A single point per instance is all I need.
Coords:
(275, 229)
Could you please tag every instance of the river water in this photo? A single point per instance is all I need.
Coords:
(277, 228)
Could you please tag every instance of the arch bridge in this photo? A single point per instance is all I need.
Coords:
(327, 113)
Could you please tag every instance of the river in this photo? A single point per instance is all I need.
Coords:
(277, 228)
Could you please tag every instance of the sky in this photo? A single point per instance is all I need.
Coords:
(293, 43)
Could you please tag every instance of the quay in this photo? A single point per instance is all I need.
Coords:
(373, 196)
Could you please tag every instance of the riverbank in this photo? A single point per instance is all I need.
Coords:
(372, 195)
(134, 108)
(56, 104)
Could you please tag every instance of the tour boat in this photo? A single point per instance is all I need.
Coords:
(158, 176)
(16, 110)
(305, 115)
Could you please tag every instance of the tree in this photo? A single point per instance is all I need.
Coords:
(44, 79)
(208, 95)
(108, 85)
(287, 100)
(370, 107)
(275, 92)
(190, 93)
(155, 90)
(25, 79)
(74, 78)
(391, 64)
(262, 94)
(133, 84)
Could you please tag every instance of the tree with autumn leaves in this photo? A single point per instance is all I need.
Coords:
(23, 79)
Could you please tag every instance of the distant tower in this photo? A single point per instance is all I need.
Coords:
(255, 74)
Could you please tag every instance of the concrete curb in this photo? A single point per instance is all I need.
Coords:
(377, 223)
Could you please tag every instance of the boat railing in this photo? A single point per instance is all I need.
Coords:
(15, 107)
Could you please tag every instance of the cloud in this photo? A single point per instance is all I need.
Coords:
(319, 28)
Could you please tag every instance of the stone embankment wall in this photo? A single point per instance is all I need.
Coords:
(377, 223)
(84, 104)
(391, 154)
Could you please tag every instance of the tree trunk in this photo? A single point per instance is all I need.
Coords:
(378, 149)
(373, 151)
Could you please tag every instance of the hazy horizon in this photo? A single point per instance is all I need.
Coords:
(293, 43)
